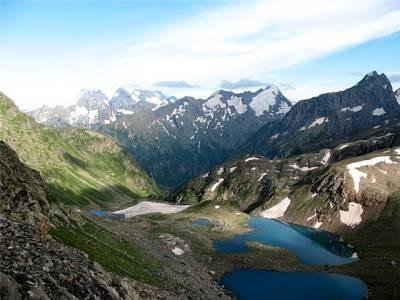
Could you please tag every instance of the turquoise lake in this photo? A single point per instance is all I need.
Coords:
(311, 246)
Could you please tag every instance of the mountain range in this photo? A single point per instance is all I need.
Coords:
(172, 139)
(330, 163)
(93, 108)
(177, 139)
(182, 139)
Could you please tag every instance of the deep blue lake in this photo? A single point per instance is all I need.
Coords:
(311, 246)
(257, 285)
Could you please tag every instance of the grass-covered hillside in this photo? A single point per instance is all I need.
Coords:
(80, 167)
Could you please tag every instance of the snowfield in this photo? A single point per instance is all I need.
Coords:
(378, 111)
(303, 169)
(251, 158)
(352, 217)
(357, 174)
(215, 185)
(148, 207)
(278, 210)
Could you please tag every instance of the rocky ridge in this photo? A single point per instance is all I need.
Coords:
(327, 120)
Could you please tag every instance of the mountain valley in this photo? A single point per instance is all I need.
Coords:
(322, 172)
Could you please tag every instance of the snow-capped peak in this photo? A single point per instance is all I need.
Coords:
(264, 99)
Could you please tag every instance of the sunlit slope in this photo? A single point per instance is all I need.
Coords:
(80, 167)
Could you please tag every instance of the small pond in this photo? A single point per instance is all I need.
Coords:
(103, 214)
(201, 222)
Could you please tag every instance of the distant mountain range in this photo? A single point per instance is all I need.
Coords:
(177, 139)
(93, 108)
(172, 139)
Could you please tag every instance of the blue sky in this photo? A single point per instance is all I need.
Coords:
(52, 49)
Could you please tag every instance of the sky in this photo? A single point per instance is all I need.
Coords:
(51, 49)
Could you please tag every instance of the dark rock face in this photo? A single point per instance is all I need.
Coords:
(327, 120)
(22, 191)
(184, 138)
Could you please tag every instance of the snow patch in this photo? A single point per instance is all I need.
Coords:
(212, 103)
(352, 217)
(284, 109)
(278, 210)
(177, 251)
(317, 224)
(232, 169)
(215, 185)
(353, 109)
(261, 177)
(251, 158)
(378, 111)
(343, 146)
(311, 217)
(237, 103)
(356, 174)
(220, 171)
(125, 111)
(303, 169)
(148, 207)
(326, 157)
(319, 121)
(264, 100)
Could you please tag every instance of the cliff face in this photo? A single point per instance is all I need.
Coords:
(22, 191)
(328, 120)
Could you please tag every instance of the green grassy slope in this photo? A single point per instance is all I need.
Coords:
(80, 167)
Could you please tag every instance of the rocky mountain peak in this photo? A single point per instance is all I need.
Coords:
(373, 80)
(331, 116)
(121, 100)
(91, 99)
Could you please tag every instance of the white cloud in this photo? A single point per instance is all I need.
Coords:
(240, 40)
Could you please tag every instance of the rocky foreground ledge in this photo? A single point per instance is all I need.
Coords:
(35, 267)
